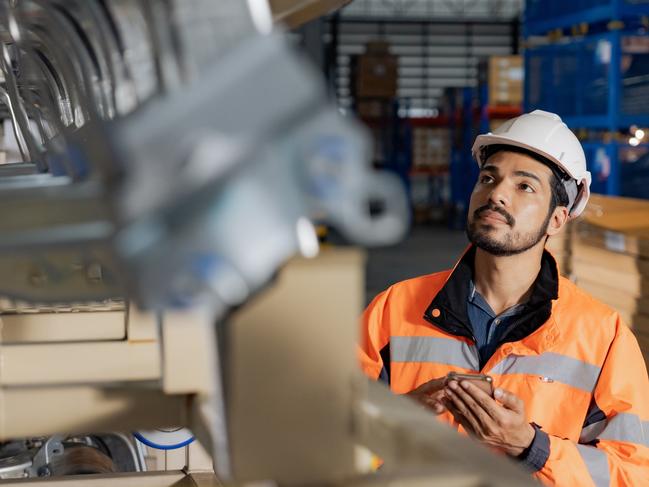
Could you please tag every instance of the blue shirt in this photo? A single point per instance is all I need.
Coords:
(488, 328)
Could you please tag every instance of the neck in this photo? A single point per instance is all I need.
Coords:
(507, 281)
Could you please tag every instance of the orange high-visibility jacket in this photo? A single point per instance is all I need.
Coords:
(573, 362)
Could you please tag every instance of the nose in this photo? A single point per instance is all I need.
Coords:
(500, 194)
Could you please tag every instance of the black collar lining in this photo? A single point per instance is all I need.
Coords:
(448, 309)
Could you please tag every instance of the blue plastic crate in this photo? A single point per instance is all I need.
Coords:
(541, 10)
(618, 168)
(599, 81)
(634, 171)
(542, 16)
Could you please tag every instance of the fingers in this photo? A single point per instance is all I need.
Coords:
(481, 398)
(459, 407)
(457, 416)
(509, 401)
(429, 394)
(438, 408)
(487, 423)
(430, 387)
(434, 402)
(431, 400)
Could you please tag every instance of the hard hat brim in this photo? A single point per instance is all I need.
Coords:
(582, 180)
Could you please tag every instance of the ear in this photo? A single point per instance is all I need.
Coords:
(558, 219)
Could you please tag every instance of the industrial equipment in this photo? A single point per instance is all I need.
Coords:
(175, 156)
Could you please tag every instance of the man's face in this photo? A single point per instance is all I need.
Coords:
(509, 208)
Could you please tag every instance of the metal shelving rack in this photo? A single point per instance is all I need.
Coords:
(592, 68)
(433, 54)
(542, 16)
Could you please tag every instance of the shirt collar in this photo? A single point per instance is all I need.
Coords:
(450, 302)
(476, 299)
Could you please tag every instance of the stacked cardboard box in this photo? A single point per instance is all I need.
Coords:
(610, 259)
(431, 147)
(505, 80)
(374, 108)
(494, 124)
(376, 72)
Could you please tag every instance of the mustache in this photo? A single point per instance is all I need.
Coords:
(508, 218)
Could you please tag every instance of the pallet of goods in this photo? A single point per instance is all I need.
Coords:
(610, 258)
(505, 80)
(431, 148)
(376, 72)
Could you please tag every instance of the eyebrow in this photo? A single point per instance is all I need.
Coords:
(493, 169)
(527, 175)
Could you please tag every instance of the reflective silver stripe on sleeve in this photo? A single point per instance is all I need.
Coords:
(447, 351)
(597, 465)
(625, 427)
(559, 368)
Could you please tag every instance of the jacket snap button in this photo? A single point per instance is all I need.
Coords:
(508, 349)
(436, 313)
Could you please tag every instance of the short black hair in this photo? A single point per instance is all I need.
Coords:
(559, 196)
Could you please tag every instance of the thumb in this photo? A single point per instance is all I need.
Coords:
(509, 400)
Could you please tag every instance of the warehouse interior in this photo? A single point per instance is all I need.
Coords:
(201, 195)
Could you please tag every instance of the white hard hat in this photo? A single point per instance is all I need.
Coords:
(545, 134)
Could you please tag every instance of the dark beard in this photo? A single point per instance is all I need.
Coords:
(507, 248)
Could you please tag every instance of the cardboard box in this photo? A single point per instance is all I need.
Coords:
(610, 258)
(294, 13)
(623, 263)
(311, 309)
(376, 72)
(636, 286)
(373, 108)
(494, 124)
(616, 298)
(377, 47)
(431, 147)
(616, 224)
(505, 80)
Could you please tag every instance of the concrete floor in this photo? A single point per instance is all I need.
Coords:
(426, 249)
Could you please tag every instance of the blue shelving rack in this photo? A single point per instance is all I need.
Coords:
(595, 81)
(542, 16)
(463, 169)
(598, 82)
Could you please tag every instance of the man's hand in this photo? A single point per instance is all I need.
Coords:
(430, 394)
(504, 427)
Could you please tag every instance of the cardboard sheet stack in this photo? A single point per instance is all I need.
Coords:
(610, 258)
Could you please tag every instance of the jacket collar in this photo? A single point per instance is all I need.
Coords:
(448, 309)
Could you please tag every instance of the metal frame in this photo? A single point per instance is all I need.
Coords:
(439, 9)
(614, 10)
(309, 440)
(430, 80)
(613, 184)
(613, 119)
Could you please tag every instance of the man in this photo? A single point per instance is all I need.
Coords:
(572, 395)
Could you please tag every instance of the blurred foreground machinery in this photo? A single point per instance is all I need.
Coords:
(175, 156)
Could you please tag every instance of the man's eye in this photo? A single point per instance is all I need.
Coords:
(527, 188)
(486, 179)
